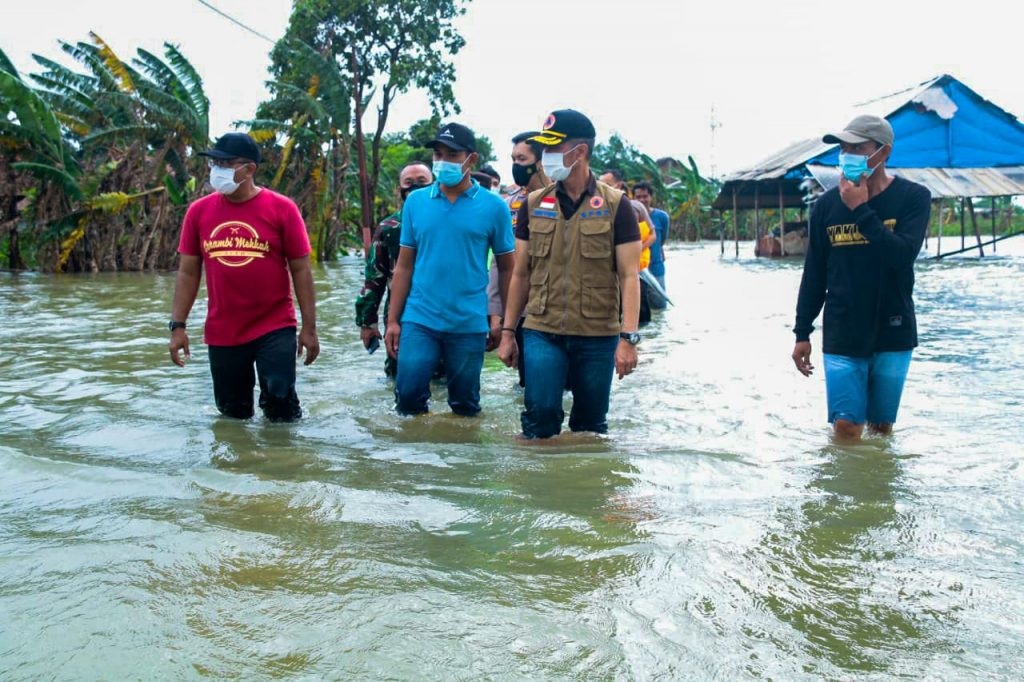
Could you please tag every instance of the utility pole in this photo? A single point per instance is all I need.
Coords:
(714, 125)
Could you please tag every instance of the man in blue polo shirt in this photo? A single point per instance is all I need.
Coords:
(439, 287)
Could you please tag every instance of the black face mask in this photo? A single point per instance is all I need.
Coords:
(522, 174)
(406, 191)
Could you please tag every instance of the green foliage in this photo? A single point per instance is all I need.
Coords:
(376, 51)
(91, 154)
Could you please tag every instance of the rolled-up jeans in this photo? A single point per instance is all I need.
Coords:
(419, 349)
(589, 364)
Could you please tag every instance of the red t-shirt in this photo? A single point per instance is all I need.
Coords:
(245, 249)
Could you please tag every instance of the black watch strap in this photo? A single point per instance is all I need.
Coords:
(172, 325)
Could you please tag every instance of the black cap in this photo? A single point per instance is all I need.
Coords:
(234, 146)
(565, 124)
(455, 135)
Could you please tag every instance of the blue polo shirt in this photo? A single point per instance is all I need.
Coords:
(660, 219)
(449, 281)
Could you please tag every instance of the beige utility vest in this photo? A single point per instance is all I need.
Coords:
(574, 284)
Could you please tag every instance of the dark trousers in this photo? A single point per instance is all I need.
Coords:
(234, 370)
(587, 363)
(645, 304)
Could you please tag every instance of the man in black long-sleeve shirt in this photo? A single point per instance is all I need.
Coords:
(864, 238)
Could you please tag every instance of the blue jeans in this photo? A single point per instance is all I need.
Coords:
(419, 350)
(588, 362)
(865, 389)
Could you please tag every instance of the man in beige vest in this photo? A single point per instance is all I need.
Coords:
(577, 254)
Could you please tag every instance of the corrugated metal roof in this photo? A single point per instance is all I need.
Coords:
(780, 163)
(946, 182)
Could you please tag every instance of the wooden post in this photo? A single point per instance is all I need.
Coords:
(938, 237)
(974, 225)
(721, 230)
(928, 229)
(757, 220)
(735, 223)
(963, 225)
(782, 223)
(993, 216)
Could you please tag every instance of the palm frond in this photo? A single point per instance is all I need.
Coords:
(190, 77)
(7, 65)
(113, 63)
(51, 173)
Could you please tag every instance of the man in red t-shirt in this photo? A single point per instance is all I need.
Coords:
(249, 239)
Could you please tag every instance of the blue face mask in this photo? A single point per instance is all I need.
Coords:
(856, 165)
(448, 172)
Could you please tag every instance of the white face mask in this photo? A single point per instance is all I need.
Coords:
(554, 165)
(223, 180)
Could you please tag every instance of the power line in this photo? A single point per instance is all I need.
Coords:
(236, 21)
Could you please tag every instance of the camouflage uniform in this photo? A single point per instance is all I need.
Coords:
(380, 265)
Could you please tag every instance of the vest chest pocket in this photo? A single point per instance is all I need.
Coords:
(542, 233)
(595, 239)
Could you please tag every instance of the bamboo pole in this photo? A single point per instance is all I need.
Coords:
(993, 217)
(721, 232)
(963, 225)
(757, 220)
(735, 223)
(974, 225)
(938, 237)
(782, 223)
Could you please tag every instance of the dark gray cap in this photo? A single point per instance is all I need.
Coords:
(864, 128)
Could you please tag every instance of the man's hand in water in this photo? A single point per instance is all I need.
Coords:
(368, 334)
(802, 358)
(625, 358)
(179, 343)
(508, 350)
(494, 335)
(391, 337)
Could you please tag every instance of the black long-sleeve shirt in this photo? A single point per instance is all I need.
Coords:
(860, 265)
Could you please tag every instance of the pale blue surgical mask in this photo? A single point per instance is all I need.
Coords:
(854, 166)
(448, 172)
(554, 165)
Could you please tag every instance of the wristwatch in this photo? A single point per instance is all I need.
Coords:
(172, 325)
(632, 337)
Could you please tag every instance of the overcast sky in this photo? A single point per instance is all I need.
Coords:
(775, 72)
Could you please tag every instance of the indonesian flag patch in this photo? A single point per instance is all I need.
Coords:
(548, 204)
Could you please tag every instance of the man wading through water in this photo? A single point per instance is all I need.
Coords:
(439, 289)
(528, 176)
(380, 265)
(864, 238)
(577, 255)
(250, 240)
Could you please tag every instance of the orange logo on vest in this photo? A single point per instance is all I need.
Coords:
(235, 244)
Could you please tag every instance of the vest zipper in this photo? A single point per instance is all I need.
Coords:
(565, 273)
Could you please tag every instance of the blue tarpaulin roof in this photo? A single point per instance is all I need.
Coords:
(945, 124)
(942, 127)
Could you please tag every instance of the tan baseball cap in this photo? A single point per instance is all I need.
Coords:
(864, 128)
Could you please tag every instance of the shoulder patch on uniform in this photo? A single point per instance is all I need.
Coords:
(596, 202)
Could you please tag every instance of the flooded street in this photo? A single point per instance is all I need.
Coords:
(716, 533)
